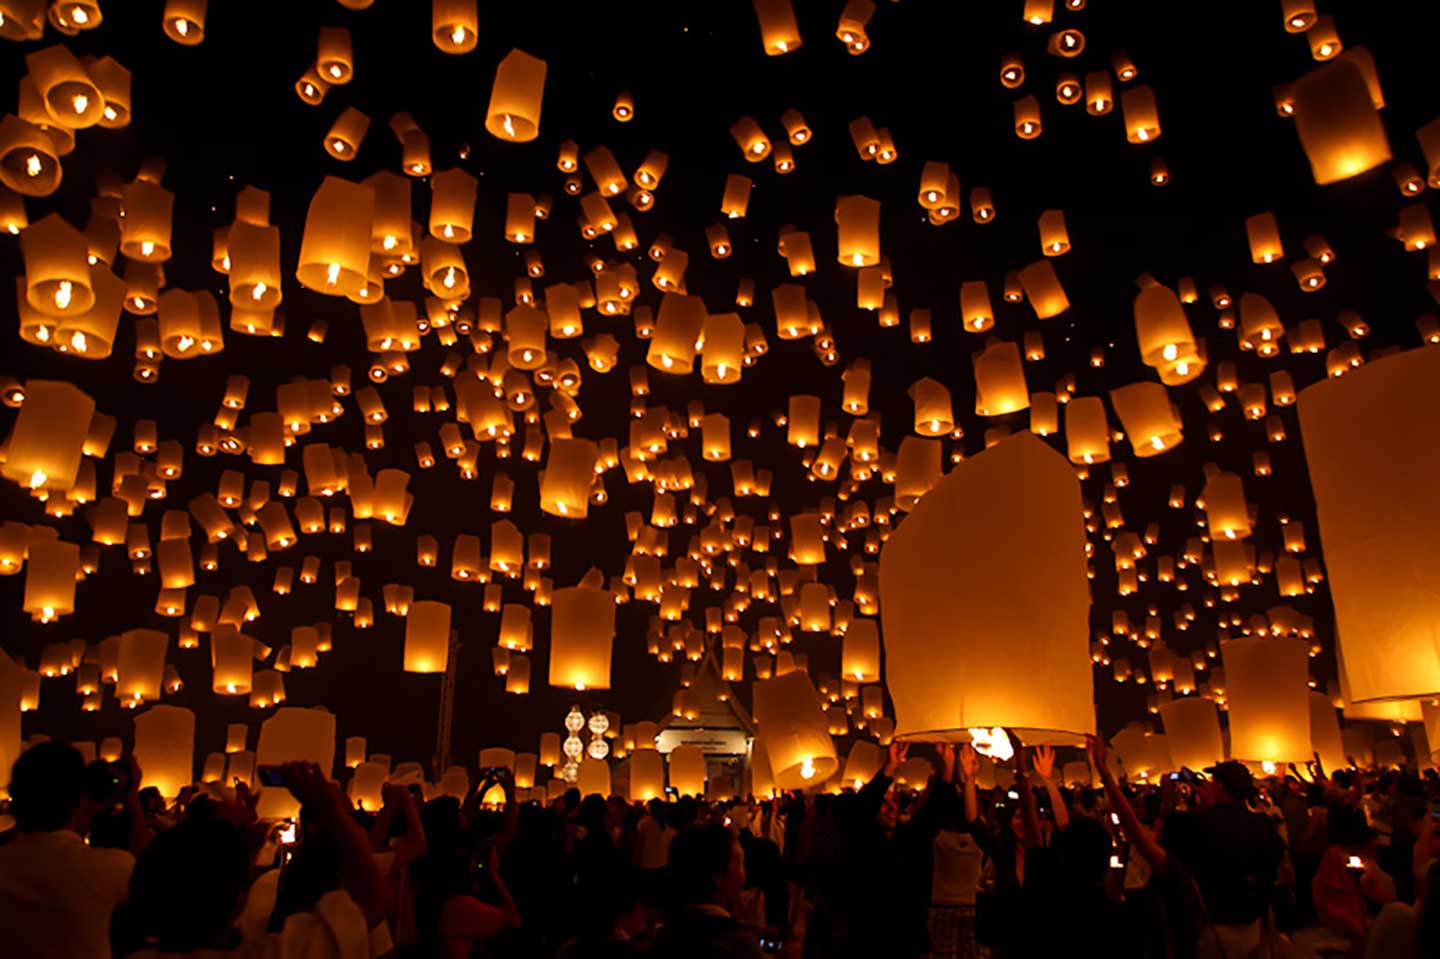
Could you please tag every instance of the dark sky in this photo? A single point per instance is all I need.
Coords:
(224, 115)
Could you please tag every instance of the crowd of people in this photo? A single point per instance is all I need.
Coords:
(1213, 865)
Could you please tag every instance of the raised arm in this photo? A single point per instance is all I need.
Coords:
(1029, 815)
(358, 871)
(1153, 852)
(1044, 763)
(970, 768)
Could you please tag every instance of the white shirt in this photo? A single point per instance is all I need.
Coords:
(57, 895)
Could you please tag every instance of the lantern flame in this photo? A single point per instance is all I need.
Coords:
(80, 102)
(332, 274)
(258, 291)
(993, 743)
(32, 165)
(508, 124)
(63, 295)
(182, 27)
(807, 769)
(37, 479)
(78, 343)
(147, 248)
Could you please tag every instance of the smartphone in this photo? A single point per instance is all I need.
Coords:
(1174, 777)
(270, 776)
(285, 835)
(671, 791)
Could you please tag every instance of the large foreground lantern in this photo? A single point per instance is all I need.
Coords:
(1192, 729)
(1325, 732)
(996, 634)
(165, 748)
(792, 724)
(582, 626)
(293, 734)
(1267, 692)
(1373, 450)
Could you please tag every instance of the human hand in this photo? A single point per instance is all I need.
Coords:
(1095, 747)
(947, 762)
(1044, 762)
(969, 762)
(894, 756)
(393, 795)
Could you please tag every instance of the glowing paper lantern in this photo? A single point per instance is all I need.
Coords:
(582, 626)
(1150, 421)
(48, 440)
(1192, 731)
(1325, 732)
(687, 770)
(647, 775)
(514, 110)
(1019, 587)
(779, 32)
(335, 248)
(1267, 693)
(1338, 122)
(293, 734)
(427, 637)
(860, 654)
(594, 778)
(999, 380)
(1369, 455)
(857, 221)
(165, 748)
(569, 474)
(792, 724)
(141, 665)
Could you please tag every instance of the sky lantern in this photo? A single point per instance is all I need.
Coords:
(1192, 730)
(857, 219)
(792, 727)
(335, 249)
(1376, 519)
(46, 444)
(779, 33)
(1267, 699)
(1149, 418)
(1338, 122)
(1021, 586)
(164, 748)
(582, 628)
(427, 637)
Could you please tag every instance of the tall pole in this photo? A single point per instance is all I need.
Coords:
(447, 706)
